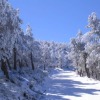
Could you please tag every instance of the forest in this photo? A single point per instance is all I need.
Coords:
(21, 55)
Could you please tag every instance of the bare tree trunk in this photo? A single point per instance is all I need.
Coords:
(32, 61)
(26, 63)
(14, 51)
(81, 73)
(92, 72)
(8, 63)
(20, 65)
(86, 69)
(4, 68)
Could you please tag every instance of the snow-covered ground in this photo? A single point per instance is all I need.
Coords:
(66, 85)
(58, 84)
(24, 84)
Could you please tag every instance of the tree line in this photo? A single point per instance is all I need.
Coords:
(19, 49)
(85, 49)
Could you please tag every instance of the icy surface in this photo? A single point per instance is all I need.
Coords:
(66, 85)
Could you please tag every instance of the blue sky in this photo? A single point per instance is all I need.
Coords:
(56, 20)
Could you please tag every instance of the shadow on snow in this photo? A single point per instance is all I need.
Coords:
(58, 89)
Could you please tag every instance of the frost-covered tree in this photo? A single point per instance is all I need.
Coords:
(29, 31)
(19, 49)
(54, 54)
(46, 55)
(77, 51)
(94, 23)
(29, 43)
(85, 49)
(9, 28)
(93, 45)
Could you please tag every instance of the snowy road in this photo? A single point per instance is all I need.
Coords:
(66, 85)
